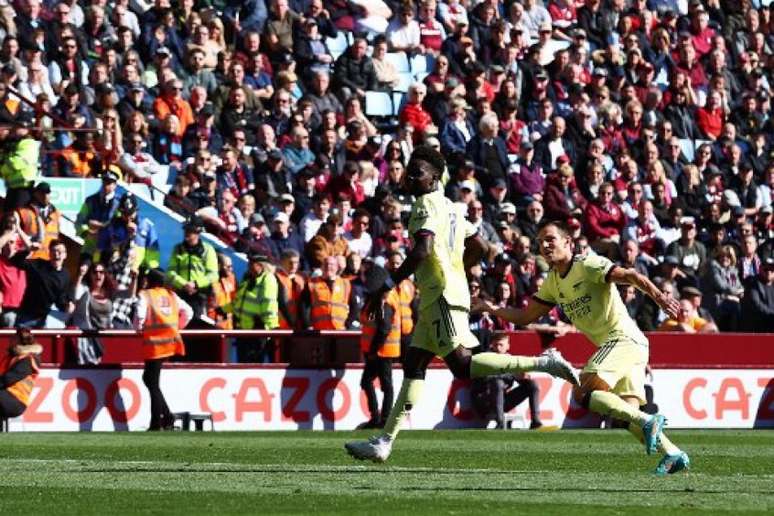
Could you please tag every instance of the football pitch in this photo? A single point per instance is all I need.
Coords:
(571, 473)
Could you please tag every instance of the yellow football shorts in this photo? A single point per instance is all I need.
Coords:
(441, 328)
(621, 364)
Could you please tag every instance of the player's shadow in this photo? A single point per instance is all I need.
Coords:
(303, 397)
(458, 407)
(764, 416)
(90, 399)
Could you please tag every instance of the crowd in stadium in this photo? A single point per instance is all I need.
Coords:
(284, 127)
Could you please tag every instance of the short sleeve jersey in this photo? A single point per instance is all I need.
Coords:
(443, 272)
(590, 301)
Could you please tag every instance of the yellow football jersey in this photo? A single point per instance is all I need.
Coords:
(443, 272)
(590, 301)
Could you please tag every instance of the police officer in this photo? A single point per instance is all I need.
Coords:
(193, 267)
(380, 344)
(19, 160)
(160, 315)
(255, 307)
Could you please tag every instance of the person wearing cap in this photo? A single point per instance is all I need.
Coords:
(255, 307)
(457, 130)
(526, 176)
(758, 300)
(40, 220)
(380, 322)
(97, 211)
(128, 242)
(282, 237)
(160, 316)
(494, 198)
(19, 366)
(193, 267)
(690, 253)
(19, 161)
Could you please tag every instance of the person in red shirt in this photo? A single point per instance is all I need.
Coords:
(414, 114)
(348, 184)
(711, 117)
(701, 34)
(605, 222)
(13, 280)
(431, 31)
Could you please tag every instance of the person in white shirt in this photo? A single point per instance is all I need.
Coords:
(312, 221)
(360, 242)
(403, 32)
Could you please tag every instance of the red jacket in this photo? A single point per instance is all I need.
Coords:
(710, 122)
(604, 222)
(417, 117)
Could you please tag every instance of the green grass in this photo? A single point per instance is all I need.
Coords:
(573, 473)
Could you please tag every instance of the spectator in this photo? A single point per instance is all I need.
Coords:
(688, 321)
(414, 115)
(758, 301)
(487, 149)
(723, 289)
(297, 154)
(13, 279)
(20, 367)
(605, 222)
(171, 102)
(328, 242)
(354, 71)
(282, 238)
(358, 239)
(47, 284)
(691, 254)
(496, 395)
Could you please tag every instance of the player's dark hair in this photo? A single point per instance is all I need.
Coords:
(497, 335)
(429, 155)
(561, 225)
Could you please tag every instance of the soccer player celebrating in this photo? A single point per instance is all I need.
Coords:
(444, 244)
(613, 381)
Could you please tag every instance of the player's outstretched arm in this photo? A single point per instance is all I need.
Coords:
(520, 317)
(423, 245)
(642, 283)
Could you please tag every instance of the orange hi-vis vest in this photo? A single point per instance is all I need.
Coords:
(329, 309)
(160, 334)
(391, 346)
(223, 292)
(80, 161)
(30, 222)
(22, 389)
(406, 291)
(293, 288)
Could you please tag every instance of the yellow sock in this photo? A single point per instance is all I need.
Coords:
(487, 364)
(609, 404)
(410, 392)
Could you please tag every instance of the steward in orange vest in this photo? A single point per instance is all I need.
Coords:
(40, 220)
(81, 158)
(18, 369)
(223, 292)
(380, 342)
(329, 299)
(291, 283)
(160, 315)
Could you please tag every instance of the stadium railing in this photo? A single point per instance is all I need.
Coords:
(323, 349)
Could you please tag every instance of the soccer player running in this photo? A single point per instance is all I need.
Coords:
(613, 381)
(444, 244)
